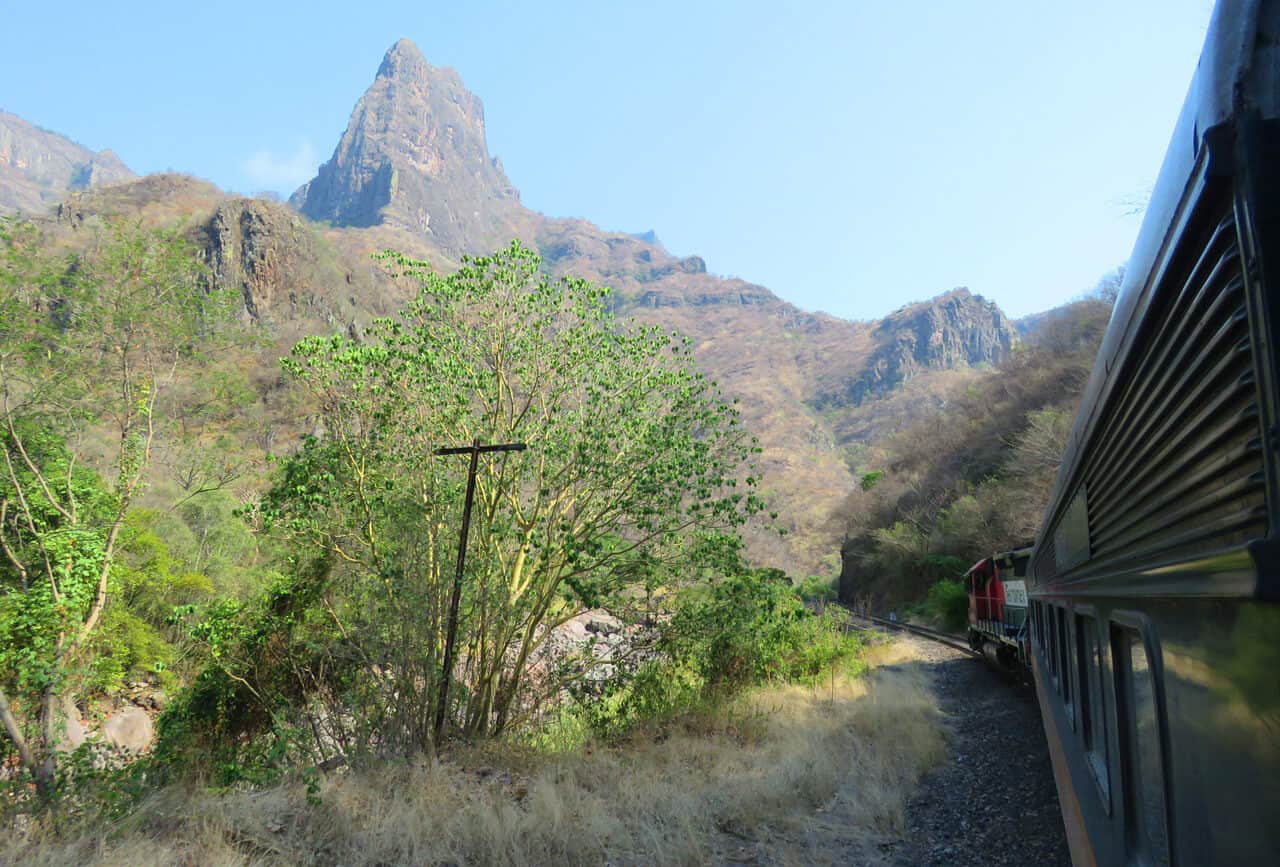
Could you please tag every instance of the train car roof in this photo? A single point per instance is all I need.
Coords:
(1236, 72)
(1002, 557)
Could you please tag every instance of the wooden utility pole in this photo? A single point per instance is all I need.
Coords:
(475, 449)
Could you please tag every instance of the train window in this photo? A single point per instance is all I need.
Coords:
(1093, 711)
(1064, 674)
(1071, 538)
(1146, 831)
(1051, 651)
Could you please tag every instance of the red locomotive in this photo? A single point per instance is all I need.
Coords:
(998, 609)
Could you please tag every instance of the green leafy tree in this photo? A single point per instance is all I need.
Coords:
(634, 461)
(92, 339)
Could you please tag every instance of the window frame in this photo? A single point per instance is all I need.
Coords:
(1093, 664)
(1062, 620)
(1132, 758)
(1052, 649)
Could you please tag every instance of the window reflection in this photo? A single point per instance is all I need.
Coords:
(1145, 826)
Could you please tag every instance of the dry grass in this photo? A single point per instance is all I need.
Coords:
(790, 768)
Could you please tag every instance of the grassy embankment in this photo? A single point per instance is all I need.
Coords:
(774, 760)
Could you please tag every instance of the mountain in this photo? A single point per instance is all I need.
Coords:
(414, 158)
(38, 167)
(954, 330)
(414, 155)
(412, 172)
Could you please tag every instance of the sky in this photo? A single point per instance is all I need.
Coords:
(852, 156)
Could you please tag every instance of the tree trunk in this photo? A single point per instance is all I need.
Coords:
(41, 771)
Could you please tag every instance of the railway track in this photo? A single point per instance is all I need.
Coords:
(924, 632)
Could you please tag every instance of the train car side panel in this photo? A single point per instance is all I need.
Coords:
(1156, 574)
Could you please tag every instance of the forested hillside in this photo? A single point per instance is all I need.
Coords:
(325, 619)
(973, 476)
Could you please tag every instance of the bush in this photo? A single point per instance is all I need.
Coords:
(129, 648)
(241, 717)
(947, 605)
(744, 630)
(816, 589)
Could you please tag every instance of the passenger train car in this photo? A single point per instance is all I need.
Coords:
(1155, 583)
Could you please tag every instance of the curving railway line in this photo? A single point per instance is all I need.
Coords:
(952, 641)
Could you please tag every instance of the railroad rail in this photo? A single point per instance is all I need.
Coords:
(924, 632)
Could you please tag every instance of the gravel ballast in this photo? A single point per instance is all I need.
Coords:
(993, 802)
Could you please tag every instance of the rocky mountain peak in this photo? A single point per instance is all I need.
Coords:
(39, 167)
(414, 156)
(404, 61)
(953, 330)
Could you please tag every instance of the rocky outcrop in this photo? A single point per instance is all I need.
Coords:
(849, 588)
(591, 646)
(744, 295)
(118, 727)
(73, 729)
(954, 330)
(258, 248)
(414, 156)
(38, 167)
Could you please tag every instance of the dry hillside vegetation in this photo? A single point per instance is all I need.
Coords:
(781, 758)
(795, 373)
(972, 475)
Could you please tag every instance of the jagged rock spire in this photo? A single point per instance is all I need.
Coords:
(414, 156)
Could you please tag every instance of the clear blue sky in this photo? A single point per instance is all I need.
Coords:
(852, 156)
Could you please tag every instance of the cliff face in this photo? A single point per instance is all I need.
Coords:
(260, 249)
(38, 168)
(955, 330)
(414, 156)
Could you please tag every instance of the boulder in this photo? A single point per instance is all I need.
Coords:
(129, 729)
(602, 623)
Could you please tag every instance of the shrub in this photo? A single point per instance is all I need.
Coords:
(744, 630)
(128, 648)
(816, 589)
(947, 605)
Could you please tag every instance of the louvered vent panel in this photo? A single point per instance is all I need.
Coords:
(1177, 465)
(1044, 562)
